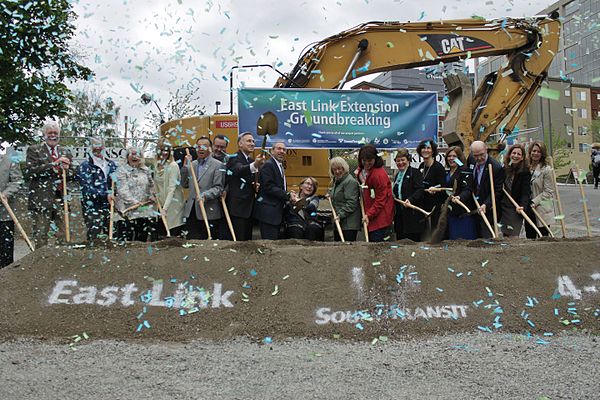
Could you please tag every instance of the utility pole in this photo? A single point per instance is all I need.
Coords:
(125, 135)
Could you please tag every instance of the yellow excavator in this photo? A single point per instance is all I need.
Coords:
(529, 45)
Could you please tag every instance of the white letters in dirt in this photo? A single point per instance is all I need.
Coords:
(71, 292)
(567, 288)
(325, 315)
(358, 279)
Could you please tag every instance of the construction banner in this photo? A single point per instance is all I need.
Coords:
(339, 119)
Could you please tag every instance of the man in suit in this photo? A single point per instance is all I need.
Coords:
(11, 180)
(220, 143)
(272, 194)
(95, 177)
(479, 162)
(44, 165)
(241, 172)
(210, 174)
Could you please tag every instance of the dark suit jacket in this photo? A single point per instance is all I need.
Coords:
(521, 188)
(483, 191)
(43, 179)
(433, 176)
(240, 186)
(462, 183)
(272, 197)
(412, 190)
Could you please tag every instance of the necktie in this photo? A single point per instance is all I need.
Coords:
(57, 168)
(282, 175)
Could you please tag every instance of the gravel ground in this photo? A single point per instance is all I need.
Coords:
(496, 366)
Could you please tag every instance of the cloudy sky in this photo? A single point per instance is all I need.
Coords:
(156, 46)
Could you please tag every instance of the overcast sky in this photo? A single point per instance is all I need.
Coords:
(153, 46)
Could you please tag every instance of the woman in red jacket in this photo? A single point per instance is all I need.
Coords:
(376, 192)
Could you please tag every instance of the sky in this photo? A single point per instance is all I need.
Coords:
(157, 47)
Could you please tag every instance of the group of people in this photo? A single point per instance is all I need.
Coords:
(457, 201)
(146, 204)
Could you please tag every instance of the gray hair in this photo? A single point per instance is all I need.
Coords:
(50, 126)
(338, 162)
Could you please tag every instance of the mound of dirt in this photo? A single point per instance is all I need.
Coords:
(177, 290)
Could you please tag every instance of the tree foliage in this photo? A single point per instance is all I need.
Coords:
(35, 64)
(595, 130)
(91, 115)
(560, 152)
(185, 102)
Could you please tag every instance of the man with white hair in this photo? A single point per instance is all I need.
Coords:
(479, 161)
(95, 177)
(43, 169)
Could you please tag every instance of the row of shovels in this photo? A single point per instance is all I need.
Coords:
(267, 125)
(493, 231)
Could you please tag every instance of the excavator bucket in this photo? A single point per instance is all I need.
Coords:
(457, 124)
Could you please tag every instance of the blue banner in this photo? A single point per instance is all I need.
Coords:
(341, 119)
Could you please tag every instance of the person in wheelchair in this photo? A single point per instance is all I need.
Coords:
(301, 221)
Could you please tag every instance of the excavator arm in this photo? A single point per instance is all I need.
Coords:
(528, 43)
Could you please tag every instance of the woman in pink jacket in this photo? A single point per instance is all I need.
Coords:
(376, 193)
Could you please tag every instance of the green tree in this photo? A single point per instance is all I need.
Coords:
(560, 150)
(35, 64)
(91, 115)
(595, 130)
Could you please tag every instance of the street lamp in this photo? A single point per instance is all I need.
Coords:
(146, 99)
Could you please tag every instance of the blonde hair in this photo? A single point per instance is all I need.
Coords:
(338, 162)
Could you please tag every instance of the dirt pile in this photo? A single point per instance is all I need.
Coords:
(177, 290)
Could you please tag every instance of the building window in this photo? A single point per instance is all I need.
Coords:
(583, 147)
(581, 96)
(571, 7)
(307, 161)
(582, 113)
(581, 130)
(567, 93)
(569, 130)
(598, 96)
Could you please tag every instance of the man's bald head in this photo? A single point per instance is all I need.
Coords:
(479, 151)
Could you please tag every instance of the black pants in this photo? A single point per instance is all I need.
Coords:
(378, 235)
(349, 235)
(596, 172)
(530, 233)
(196, 228)
(241, 226)
(7, 243)
(312, 232)
(96, 219)
(415, 237)
(139, 229)
(269, 232)
(161, 232)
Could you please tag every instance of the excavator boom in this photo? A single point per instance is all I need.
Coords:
(528, 43)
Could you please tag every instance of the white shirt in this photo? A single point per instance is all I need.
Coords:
(280, 165)
(102, 164)
(253, 168)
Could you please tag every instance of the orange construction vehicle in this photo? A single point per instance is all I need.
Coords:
(529, 45)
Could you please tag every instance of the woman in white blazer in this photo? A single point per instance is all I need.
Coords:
(168, 190)
(542, 190)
